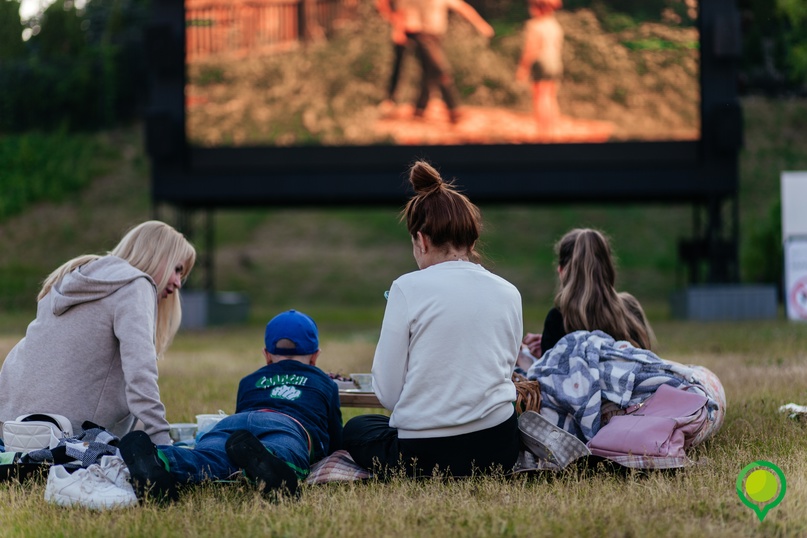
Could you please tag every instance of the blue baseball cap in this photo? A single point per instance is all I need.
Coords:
(294, 326)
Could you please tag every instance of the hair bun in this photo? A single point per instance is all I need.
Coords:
(424, 178)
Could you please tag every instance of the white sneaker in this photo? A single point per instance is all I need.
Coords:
(116, 471)
(95, 487)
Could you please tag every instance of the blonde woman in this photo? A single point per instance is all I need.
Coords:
(101, 323)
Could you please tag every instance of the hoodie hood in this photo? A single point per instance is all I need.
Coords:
(93, 281)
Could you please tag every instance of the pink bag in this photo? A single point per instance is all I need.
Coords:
(664, 425)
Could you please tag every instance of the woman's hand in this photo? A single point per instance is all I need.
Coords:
(533, 342)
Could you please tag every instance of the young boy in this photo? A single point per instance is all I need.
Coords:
(287, 416)
(542, 62)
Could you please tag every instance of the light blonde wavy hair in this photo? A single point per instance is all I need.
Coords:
(156, 249)
(587, 298)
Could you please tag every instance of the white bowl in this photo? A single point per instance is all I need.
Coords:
(206, 421)
(182, 431)
(363, 382)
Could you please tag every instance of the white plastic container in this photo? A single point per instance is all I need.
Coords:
(205, 422)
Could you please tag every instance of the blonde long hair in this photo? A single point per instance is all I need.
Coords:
(587, 299)
(156, 249)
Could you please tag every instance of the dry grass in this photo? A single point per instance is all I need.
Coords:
(202, 370)
(762, 366)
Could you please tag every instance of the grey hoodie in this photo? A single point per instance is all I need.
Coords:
(90, 353)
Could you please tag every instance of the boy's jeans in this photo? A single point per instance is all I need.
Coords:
(281, 435)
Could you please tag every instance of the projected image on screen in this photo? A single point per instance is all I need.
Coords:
(440, 72)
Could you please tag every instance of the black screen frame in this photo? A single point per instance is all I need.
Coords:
(676, 171)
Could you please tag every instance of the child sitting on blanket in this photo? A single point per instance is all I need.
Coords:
(287, 416)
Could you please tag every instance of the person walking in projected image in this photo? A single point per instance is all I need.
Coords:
(287, 416)
(388, 9)
(586, 299)
(426, 24)
(444, 361)
(101, 324)
(541, 63)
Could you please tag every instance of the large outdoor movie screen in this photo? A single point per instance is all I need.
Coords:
(289, 73)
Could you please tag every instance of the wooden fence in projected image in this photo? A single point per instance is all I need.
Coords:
(243, 27)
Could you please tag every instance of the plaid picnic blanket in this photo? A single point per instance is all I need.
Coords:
(635, 461)
(647, 372)
(337, 467)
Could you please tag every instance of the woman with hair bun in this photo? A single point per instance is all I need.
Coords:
(587, 299)
(101, 323)
(448, 345)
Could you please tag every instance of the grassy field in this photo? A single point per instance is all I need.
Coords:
(335, 264)
(762, 366)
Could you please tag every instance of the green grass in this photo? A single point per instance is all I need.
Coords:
(97, 189)
(48, 167)
(762, 366)
(341, 260)
(658, 44)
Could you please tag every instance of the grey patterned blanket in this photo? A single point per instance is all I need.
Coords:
(585, 369)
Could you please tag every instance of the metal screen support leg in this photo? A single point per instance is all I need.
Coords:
(198, 226)
(711, 255)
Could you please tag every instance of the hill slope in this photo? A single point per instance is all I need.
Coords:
(341, 261)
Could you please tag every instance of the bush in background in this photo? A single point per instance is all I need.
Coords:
(78, 70)
(774, 45)
(39, 167)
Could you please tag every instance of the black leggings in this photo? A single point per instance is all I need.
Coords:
(374, 445)
(436, 71)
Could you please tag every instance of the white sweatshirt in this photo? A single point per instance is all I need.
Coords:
(447, 350)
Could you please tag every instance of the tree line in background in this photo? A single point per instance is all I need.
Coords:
(83, 69)
(69, 68)
(64, 74)
(774, 46)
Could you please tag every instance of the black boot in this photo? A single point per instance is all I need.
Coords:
(149, 476)
(270, 472)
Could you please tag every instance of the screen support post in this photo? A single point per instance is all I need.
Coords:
(198, 226)
(711, 255)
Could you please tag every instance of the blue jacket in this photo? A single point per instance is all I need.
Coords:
(301, 391)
